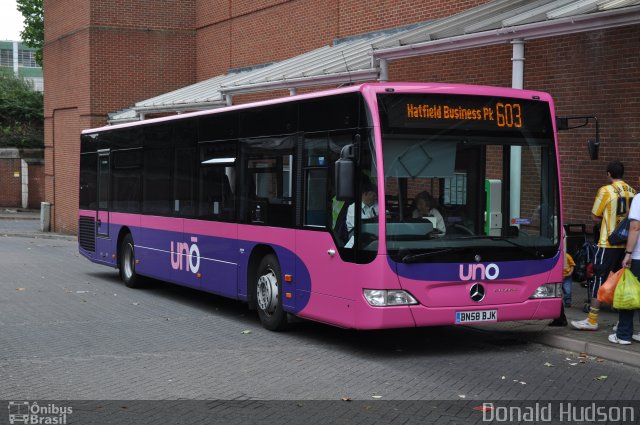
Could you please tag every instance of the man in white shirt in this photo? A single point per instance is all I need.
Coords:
(369, 209)
(624, 333)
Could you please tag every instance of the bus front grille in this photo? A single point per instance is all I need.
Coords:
(87, 234)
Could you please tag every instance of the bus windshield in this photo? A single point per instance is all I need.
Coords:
(468, 178)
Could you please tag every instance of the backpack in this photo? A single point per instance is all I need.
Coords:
(583, 258)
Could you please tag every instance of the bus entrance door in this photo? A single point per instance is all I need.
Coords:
(104, 247)
(104, 177)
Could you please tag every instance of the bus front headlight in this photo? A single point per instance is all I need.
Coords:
(385, 298)
(548, 290)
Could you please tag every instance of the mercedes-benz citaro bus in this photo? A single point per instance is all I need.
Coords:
(314, 205)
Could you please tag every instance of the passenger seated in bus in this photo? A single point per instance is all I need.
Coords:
(369, 209)
(425, 207)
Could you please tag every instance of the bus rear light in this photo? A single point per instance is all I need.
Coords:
(548, 290)
(386, 298)
(289, 295)
(288, 278)
(199, 275)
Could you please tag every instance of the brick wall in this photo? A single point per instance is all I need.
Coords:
(593, 73)
(10, 185)
(356, 16)
(101, 57)
(36, 185)
(240, 33)
(113, 54)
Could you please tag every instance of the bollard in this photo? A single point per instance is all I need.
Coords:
(45, 216)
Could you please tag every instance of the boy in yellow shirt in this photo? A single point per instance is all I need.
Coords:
(567, 281)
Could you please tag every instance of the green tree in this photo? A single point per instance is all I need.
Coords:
(33, 33)
(21, 113)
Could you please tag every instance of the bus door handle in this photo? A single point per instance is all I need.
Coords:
(331, 252)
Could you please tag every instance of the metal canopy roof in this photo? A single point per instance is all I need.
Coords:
(357, 60)
(501, 21)
(349, 61)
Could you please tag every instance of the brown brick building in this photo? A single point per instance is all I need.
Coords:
(21, 178)
(104, 56)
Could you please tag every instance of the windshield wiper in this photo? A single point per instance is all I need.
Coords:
(528, 250)
(411, 258)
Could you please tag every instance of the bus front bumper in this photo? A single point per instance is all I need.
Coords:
(421, 316)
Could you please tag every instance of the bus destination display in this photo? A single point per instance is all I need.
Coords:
(503, 114)
(458, 112)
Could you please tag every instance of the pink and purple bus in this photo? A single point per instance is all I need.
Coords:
(382, 205)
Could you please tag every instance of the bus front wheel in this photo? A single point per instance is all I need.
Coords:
(268, 293)
(128, 262)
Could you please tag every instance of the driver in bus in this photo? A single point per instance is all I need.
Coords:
(369, 209)
(425, 207)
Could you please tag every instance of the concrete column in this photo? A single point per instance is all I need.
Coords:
(15, 58)
(45, 216)
(25, 183)
(517, 82)
(384, 71)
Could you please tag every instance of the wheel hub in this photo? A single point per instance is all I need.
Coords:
(267, 293)
(127, 260)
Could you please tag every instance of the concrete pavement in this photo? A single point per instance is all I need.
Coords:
(25, 223)
(594, 343)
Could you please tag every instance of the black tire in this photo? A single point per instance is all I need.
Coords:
(268, 294)
(127, 263)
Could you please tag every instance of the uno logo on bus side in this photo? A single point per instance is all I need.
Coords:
(185, 256)
(471, 271)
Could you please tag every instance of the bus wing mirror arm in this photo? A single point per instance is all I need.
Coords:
(563, 123)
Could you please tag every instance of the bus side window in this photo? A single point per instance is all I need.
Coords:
(156, 182)
(270, 179)
(315, 165)
(216, 197)
(316, 197)
(185, 175)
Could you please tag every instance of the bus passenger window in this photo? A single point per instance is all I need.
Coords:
(216, 197)
(316, 197)
(269, 180)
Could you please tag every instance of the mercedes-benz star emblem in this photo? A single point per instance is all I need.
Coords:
(477, 292)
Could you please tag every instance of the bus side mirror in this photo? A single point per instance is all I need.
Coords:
(593, 147)
(564, 123)
(345, 173)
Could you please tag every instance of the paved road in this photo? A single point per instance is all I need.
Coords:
(70, 329)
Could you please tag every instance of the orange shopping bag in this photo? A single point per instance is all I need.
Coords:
(605, 293)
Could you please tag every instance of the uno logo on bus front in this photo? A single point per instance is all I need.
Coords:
(185, 257)
(479, 271)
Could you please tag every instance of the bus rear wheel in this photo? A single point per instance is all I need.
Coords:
(127, 262)
(268, 293)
